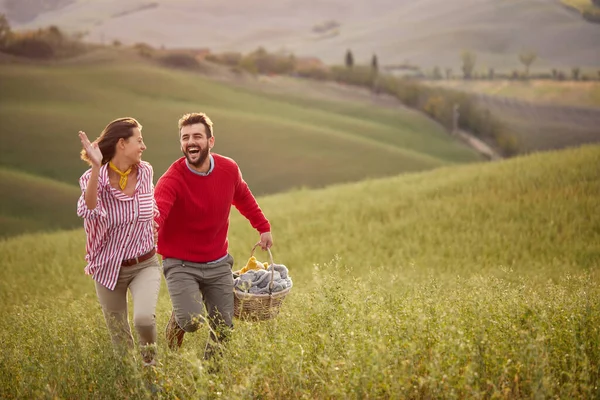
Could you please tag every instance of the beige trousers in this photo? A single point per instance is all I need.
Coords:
(143, 281)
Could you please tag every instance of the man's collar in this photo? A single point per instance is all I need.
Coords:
(210, 168)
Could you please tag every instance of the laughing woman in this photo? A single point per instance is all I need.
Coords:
(118, 208)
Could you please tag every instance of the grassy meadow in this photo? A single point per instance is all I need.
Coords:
(33, 203)
(281, 142)
(471, 281)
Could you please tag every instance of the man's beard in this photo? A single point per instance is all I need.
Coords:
(203, 155)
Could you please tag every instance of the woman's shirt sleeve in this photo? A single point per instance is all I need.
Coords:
(82, 209)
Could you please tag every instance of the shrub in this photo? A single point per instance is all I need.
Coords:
(180, 60)
(313, 72)
(31, 47)
(508, 144)
(435, 107)
(261, 62)
(43, 43)
(468, 63)
(229, 58)
(144, 50)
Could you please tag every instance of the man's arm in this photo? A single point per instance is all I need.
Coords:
(165, 195)
(246, 203)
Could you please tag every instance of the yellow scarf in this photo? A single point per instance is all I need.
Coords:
(123, 175)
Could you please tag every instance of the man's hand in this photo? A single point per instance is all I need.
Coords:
(266, 240)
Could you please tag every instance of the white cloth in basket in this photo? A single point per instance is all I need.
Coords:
(257, 281)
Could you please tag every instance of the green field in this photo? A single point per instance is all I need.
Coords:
(568, 93)
(32, 203)
(539, 115)
(281, 142)
(474, 281)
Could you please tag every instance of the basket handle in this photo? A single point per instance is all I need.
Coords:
(272, 266)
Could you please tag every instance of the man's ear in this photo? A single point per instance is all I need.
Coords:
(211, 142)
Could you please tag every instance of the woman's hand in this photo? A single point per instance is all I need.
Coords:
(92, 150)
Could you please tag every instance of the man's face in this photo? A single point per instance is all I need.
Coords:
(195, 145)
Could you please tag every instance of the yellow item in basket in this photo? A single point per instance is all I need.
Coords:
(252, 264)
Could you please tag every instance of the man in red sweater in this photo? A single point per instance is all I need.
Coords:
(194, 198)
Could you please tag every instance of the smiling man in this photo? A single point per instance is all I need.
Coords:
(194, 198)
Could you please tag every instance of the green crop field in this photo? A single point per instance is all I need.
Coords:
(470, 281)
(31, 203)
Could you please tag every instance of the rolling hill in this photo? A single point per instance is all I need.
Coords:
(281, 141)
(428, 33)
(32, 203)
(540, 115)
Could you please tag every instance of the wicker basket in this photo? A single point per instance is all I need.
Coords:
(258, 307)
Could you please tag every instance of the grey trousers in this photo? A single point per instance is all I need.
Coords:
(198, 289)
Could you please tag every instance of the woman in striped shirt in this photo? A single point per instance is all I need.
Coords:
(118, 208)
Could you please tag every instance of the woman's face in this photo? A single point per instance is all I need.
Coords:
(134, 146)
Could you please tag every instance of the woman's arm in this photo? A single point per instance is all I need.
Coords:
(91, 191)
(95, 156)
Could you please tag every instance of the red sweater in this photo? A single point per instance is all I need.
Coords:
(194, 210)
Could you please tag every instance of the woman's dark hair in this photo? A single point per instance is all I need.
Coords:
(121, 128)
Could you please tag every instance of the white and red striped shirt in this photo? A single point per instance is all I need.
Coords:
(120, 227)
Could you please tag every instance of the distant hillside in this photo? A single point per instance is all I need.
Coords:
(281, 141)
(24, 11)
(31, 203)
(278, 143)
(540, 115)
(426, 32)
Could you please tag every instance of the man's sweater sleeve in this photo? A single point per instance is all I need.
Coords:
(244, 201)
(165, 196)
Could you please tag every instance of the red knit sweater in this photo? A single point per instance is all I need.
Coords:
(194, 210)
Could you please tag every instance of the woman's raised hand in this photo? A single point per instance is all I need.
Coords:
(92, 150)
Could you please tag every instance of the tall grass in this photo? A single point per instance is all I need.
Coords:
(465, 282)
